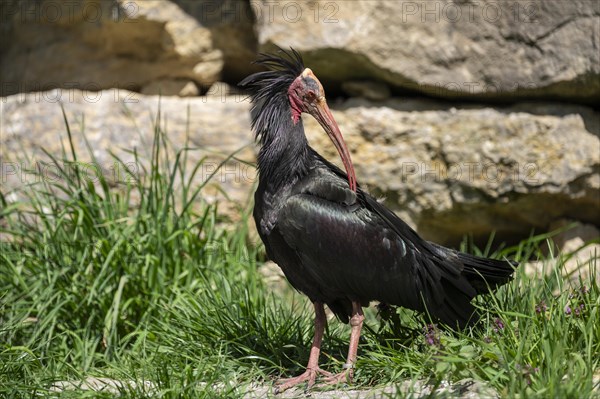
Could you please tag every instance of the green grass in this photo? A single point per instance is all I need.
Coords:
(161, 296)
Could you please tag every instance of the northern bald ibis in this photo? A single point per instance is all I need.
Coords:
(333, 241)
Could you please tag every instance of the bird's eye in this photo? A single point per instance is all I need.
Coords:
(311, 95)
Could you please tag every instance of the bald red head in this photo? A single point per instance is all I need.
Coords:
(306, 94)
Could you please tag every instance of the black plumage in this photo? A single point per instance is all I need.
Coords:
(337, 245)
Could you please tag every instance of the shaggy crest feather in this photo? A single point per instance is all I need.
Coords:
(269, 89)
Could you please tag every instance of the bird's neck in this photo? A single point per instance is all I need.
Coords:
(284, 156)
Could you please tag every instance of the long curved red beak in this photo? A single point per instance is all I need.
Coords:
(323, 115)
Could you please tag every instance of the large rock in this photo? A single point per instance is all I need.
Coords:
(575, 251)
(119, 121)
(231, 23)
(484, 49)
(93, 45)
(475, 169)
(447, 171)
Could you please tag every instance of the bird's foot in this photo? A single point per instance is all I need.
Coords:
(345, 377)
(309, 376)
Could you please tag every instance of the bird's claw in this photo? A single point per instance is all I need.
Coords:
(309, 376)
(345, 377)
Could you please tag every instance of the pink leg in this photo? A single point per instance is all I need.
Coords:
(356, 321)
(312, 369)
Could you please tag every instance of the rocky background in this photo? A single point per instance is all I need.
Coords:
(469, 117)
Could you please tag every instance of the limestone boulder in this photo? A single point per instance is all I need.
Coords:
(231, 23)
(485, 49)
(447, 169)
(467, 169)
(94, 45)
(118, 122)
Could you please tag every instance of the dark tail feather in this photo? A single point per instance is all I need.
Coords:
(463, 277)
(457, 310)
(484, 273)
